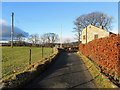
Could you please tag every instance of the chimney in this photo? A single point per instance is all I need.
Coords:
(101, 26)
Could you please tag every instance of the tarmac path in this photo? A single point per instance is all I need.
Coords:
(69, 71)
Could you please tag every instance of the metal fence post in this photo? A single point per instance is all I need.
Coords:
(30, 58)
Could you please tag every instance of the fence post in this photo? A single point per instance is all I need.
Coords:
(52, 50)
(30, 58)
(49, 54)
(42, 52)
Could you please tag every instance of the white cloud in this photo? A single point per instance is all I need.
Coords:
(71, 38)
(2, 21)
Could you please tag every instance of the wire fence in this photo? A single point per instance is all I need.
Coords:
(18, 58)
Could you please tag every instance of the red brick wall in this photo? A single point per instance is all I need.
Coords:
(105, 52)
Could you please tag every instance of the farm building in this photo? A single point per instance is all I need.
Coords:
(93, 32)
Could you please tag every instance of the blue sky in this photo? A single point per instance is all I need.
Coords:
(43, 17)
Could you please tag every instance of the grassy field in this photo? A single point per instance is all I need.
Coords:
(17, 59)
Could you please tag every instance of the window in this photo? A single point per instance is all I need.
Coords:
(96, 36)
(83, 37)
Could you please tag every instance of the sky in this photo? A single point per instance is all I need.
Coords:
(44, 17)
(60, 0)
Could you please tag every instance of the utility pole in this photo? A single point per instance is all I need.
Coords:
(86, 34)
(61, 37)
(12, 31)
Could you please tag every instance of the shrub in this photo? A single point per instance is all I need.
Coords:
(106, 53)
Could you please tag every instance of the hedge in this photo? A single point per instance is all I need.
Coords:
(105, 52)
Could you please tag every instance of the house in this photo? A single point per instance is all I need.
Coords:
(93, 32)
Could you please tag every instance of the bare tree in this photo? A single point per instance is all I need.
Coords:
(49, 37)
(54, 37)
(34, 38)
(78, 34)
(43, 39)
(19, 37)
(95, 18)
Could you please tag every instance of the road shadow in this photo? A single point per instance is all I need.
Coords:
(56, 65)
(65, 61)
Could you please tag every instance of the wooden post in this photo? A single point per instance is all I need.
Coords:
(49, 54)
(42, 52)
(52, 50)
(30, 58)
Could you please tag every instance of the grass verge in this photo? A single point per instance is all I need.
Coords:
(100, 80)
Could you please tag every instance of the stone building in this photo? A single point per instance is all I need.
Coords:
(92, 33)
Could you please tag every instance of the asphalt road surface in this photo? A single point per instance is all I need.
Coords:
(69, 71)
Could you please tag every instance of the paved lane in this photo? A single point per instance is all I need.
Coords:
(69, 71)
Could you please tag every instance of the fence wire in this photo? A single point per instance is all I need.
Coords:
(18, 58)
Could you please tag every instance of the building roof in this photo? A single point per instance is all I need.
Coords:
(98, 28)
(94, 27)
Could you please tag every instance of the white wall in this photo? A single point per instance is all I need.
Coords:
(92, 31)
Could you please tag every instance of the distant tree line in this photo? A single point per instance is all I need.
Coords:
(47, 39)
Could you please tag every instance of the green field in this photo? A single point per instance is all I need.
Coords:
(17, 59)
